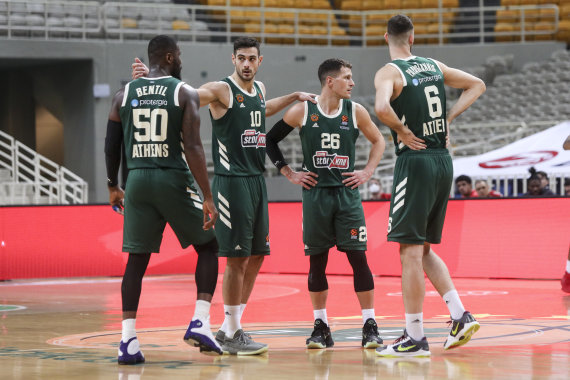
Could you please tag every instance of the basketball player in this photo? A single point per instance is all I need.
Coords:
(410, 99)
(157, 117)
(238, 109)
(332, 209)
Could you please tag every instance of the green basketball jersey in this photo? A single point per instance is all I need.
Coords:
(152, 123)
(421, 105)
(238, 137)
(328, 142)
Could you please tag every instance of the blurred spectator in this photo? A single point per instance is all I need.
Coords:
(375, 191)
(544, 180)
(567, 187)
(534, 188)
(484, 191)
(464, 187)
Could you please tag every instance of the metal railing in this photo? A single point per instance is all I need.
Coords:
(30, 178)
(56, 19)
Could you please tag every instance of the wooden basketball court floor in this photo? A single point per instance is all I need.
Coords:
(70, 328)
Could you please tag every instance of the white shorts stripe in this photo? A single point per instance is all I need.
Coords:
(397, 206)
(225, 221)
(198, 205)
(222, 146)
(224, 211)
(223, 200)
(223, 154)
(225, 164)
(399, 195)
(401, 184)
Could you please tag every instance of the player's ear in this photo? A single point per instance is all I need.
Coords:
(260, 59)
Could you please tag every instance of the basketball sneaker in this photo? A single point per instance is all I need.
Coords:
(461, 331)
(370, 337)
(321, 336)
(242, 344)
(565, 282)
(405, 346)
(130, 352)
(220, 336)
(199, 334)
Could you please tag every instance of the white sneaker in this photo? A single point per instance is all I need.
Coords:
(200, 335)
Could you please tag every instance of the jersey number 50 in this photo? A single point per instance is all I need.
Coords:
(151, 125)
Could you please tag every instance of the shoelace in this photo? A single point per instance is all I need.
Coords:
(401, 338)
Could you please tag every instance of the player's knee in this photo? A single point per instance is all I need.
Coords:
(317, 280)
(363, 280)
(210, 248)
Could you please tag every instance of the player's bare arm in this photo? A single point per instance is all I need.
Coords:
(217, 96)
(272, 106)
(293, 118)
(472, 86)
(194, 151)
(372, 134)
(388, 85)
(113, 143)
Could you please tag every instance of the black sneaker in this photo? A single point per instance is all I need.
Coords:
(405, 346)
(321, 336)
(370, 337)
(461, 331)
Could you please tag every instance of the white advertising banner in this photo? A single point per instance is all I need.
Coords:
(542, 150)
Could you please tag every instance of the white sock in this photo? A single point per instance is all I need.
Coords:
(241, 309)
(232, 317)
(568, 266)
(202, 310)
(128, 331)
(367, 314)
(415, 325)
(321, 314)
(454, 304)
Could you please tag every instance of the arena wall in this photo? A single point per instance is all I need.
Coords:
(482, 238)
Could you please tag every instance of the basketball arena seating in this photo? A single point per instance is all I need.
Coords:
(305, 22)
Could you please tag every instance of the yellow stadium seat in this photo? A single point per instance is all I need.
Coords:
(287, 3)
(547, 15)
(287, 29)
(217, 2)
(235, 3)
(563, 33)
(510, 2)
(429, 3)
(392, 4)
(532, 15)
(409, 4)
(505, 27)
(372, 5)
(272, 29)
(564, 11)
(180, 25)
(130, 23)
(450, 3)
(544, 26)
(434, 29)
(507, 16)
(351, 5)
(250, 3)
(318, 4)
(252, 28)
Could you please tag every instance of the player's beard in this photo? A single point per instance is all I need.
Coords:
(176, 73)
(246, 79)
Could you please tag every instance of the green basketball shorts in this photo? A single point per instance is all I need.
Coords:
(333, 216)
(422, 183)
(242, 228)
(154, 197)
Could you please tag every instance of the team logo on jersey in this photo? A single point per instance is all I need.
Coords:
(353, 234)
(239, 98)
(260, 96)
(322, 160)
(314, 117)
(252, 139)
(344, 122)
(134, 103)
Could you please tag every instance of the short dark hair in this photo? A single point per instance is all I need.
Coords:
(399, 24)
(331, 67)
(463, 177)
(533, 174)
(159, 46)
(246, 42)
